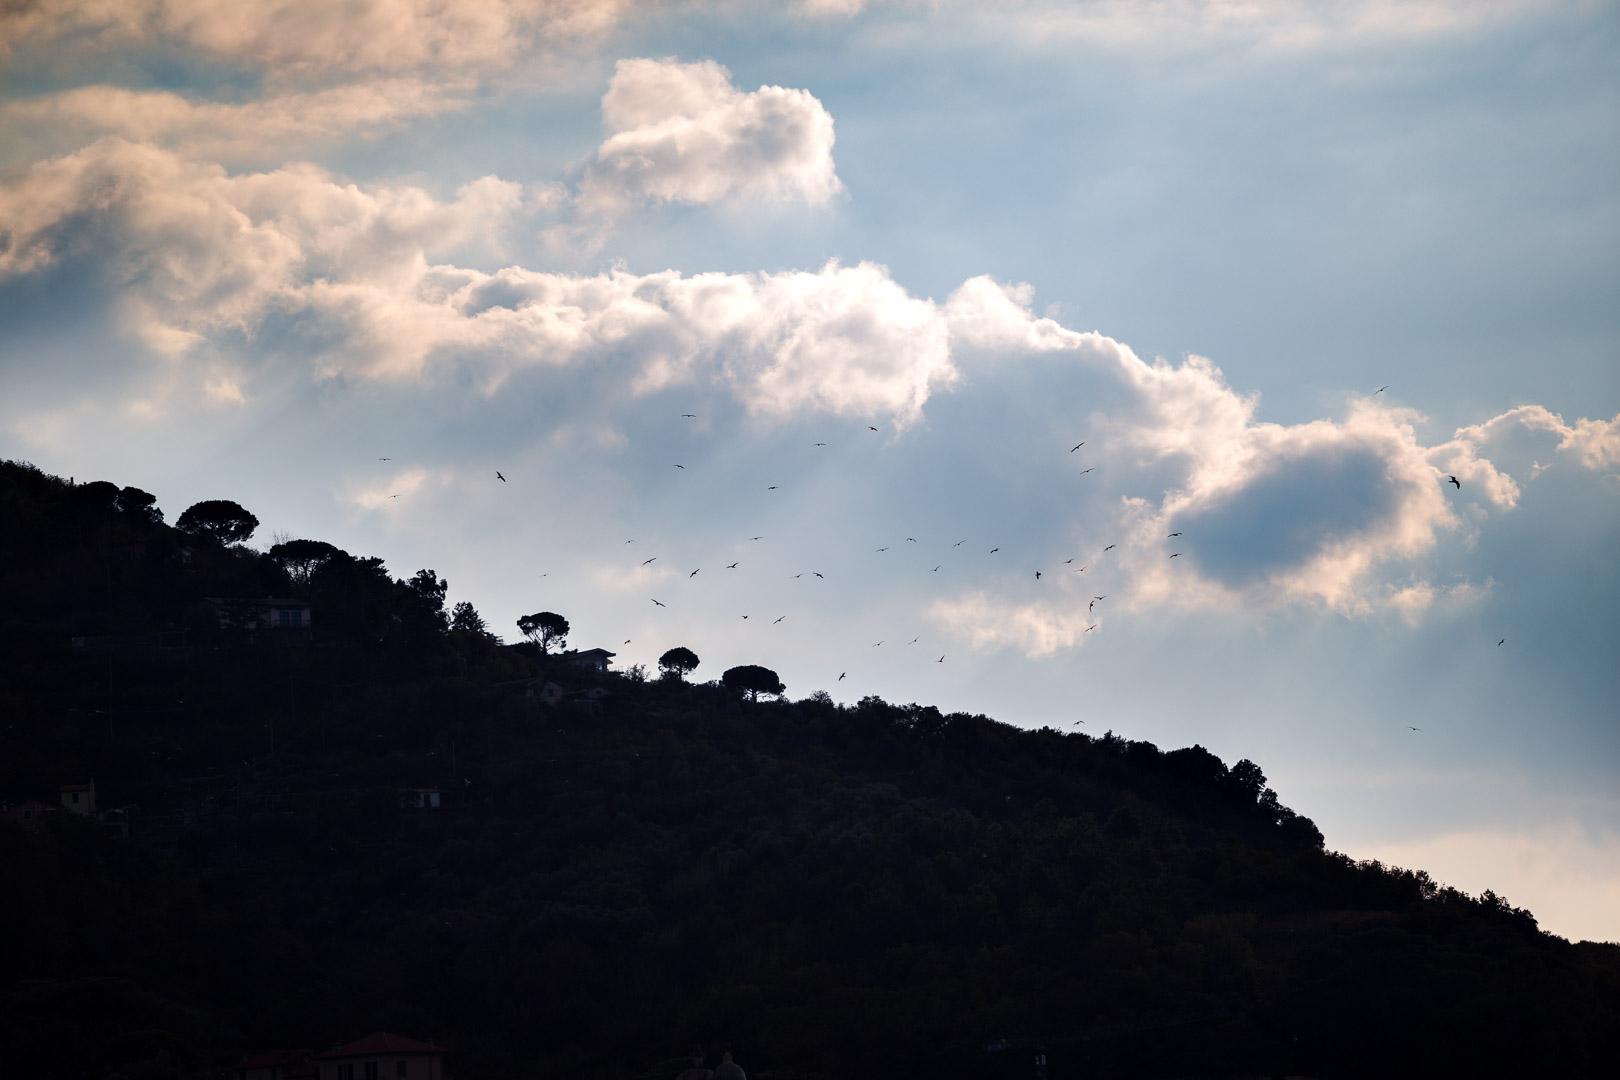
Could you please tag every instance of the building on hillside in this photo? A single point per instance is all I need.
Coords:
(30, 814)
(589, 700)
(285, 617)
(422, 798)
(80, 799)
(593, 659)
(381, 1056)
(277, 1065)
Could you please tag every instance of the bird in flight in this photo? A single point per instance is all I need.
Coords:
(1037, 575)
(688, 416)
(1076, 446)
(935, 570)
(841, 675)
(819, 574)
(1380, 390)
(1090, 628)
(869, 427)
(393, 496)
(771, 488)
(941, 660)
(1099, 599)
(1502, 642)
(499, 477)
(1110, 547)
(385, 459)
(959, 543)
(629, 541)
(1066, 562)
(745, 616)
(1077, 722)
(875, 644)
(1079, 569)
(693, 574)
(1411, 728)
(731, 566)
(627, 641)
(1177, 555)
(1454, 480)
(680, 466)
(911, 539)
(818, 444)
(756, 538)
(644, 562)
(994, 550)
(660, 603)
(1172, 534)
(779, 618)
(1091, 607)
(915, 640)
(883, 549)
(1091, 469)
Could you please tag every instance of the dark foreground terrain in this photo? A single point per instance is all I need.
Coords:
(608, 881)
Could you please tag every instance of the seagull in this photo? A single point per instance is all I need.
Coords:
(869, 427)
(731, 566)
(819, 574)
(1177, 555)
(1411, 728)
(1084, 471)
(818, 444)
(1066, 562)
(994, 550)
(935, 570)
(959, 543)
(1077, 446)
(629, 541)
(745, 616)
(644, 562)
(627, 641)
(875, 644)
(659, 604)
(756, 538)
(499, 477)
(1099, 599)
(1454, 480)
(688, 416)
(1110, 547)
(883, 549)
(915, 640)
(680, 466)
(385, 459)
(1037, 575)
(941, 660)
(771, 488)
(1091, 607)
(841, 675)
(911, 539)
(779, 618)
(694, 573)
(1502, 642)
(1080, 570)
(1172, 534)
(393, 496)
(1077, 722)
(800, 574)
(1090, 628)
(1380, 390)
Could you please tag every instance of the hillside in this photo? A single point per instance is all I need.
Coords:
(610, 881)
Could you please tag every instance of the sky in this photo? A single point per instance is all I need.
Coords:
(1283, 269)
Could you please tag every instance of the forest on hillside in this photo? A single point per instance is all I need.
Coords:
(628, 866)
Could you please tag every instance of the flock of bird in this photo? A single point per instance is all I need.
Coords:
(1039, 574)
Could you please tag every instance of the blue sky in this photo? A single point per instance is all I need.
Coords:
(247, 255)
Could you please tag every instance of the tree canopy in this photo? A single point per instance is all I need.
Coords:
(677, 663)
(220, 520)
(545, 629)
(753, 680)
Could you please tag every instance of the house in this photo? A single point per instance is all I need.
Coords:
(422, 798)
(593, 659)
(277, 1065)
(30, 814)
(381, 1056)
(589, 701)
(280, 615)
(80, 799)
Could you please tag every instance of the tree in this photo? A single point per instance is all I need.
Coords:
(753, 680)
(140, 506)
(678, 662)
(219, 520)
(301, 558)
(545, 628)
(430, 589)
(465, 618)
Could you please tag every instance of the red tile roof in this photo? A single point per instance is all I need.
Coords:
(381, 1044)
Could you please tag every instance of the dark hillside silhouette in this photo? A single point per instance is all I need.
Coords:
(383, 820)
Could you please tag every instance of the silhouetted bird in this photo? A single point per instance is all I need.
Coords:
(731, 566)
(1091, 607)
(959, 543)
(779, 618)
(627, 641)
(1411, 728)
(941, 660)
(644, 562)
(819, 574)
(1172, 534)
(659, 604)
(915, 640)
(883, 549)
(875, 644)
(1502, 642)
(393, 496)
(994, 550)
(745, 616)
(1454, 480)
(1090, 628)
(818, 444)
(680, 466)
(935, 570)
(1079, 569)
(385, 459)
(1177, 555)
(1091, 469)
(694, 573)
(1099, 599)
(771, 488)
(688, 416)
(1077, 722)
(841, 675)
(911, 539)
(1380, 390)
(1076, 446)
(756, 538)
(1110, 547)
(499, 477)
(1037, 575)
(869, 427)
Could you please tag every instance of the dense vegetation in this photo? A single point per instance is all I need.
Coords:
(830, 891)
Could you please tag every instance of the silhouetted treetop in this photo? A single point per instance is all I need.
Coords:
(753, 680)
(677, 663)
(220, 520)
(545, 629)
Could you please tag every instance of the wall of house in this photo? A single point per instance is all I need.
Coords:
(417, 1067)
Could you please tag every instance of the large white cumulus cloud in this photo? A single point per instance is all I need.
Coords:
(684, 133)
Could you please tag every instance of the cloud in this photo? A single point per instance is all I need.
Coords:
(1036, 629)
(1595, 444)
(313, 38)
(260, 131)
(682, 133)
(386, 495)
